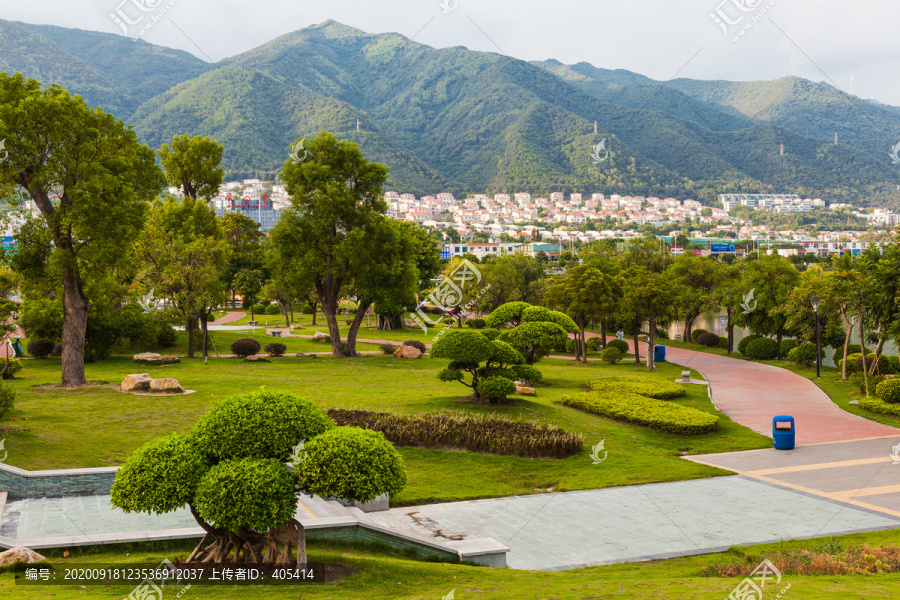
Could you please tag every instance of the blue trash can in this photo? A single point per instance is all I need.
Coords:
(783, 432)
(659, 354)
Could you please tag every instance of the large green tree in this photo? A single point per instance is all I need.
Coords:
(584, 293)
(192, 164)
(334, 192)
(90, 179)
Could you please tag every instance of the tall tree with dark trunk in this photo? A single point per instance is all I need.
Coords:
(334, 191)
(89, 177)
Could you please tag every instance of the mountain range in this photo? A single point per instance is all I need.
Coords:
(463, 121)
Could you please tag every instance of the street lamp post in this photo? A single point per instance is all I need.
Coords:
(814, 301)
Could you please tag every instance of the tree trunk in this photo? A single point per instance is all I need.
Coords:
(203, 326)
(849, 325)
(287, 318)
(189, 326)
(580, 354)
(637, 345)
(603, 333)
(354, 327)
(651, 347)
(730, 331)
(75, 311)
(873, 370)
(862, 347)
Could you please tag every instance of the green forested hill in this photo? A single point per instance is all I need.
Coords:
(463, 121)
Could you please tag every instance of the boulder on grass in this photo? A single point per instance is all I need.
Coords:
(321, 337)
(407, 352)
(167, 385)
(521, 389)
(19, 554)
(153, 357)
(136, 382)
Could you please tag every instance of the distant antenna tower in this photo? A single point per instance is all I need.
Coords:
(782, 149)
(595, 127)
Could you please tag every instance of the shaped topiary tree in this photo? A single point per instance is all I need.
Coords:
(493, 380)
(231, 473)
(537, 330)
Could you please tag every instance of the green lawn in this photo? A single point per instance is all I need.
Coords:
(379, 572)
(97, 426)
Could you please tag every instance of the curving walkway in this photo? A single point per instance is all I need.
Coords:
(751, 394)
(228, 318)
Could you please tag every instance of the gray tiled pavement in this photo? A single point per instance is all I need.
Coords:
(573, 529)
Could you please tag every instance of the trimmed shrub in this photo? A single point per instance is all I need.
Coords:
(261, 424)
(14, 366)
(528, 373)
(894, 364)
(244, 347)
(785, 347)
(611, 355)
(165, 335)
(388, 348)
(889, 391)
(723, 342)
(859, 381)
(496, 388)
(40, 348)
(57, 350)
(696, 333)
(595, 343)
(852, 349)
(883, 364)
(879, 406)
(276, 349)
(710, 340)
(805, 354)
(622, 345)
(742, 345)
(273, 309)
(474, 433)
(376, 466)
(259, 309)
(762, 349)
(851, 360)
(306, 308)
(477, 323)
(491, 334)
(641, 410)
(7, 400)
(645, 385)
(417, 345)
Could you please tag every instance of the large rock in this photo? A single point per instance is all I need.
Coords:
(167, 385)
(136, 382)
(521, 389)
(407, 352)
(153, 357)
(19, 554)
(321, 337)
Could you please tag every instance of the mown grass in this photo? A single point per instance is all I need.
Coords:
(380, 572)
(97, 426)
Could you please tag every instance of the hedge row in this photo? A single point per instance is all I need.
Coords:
(652, 387)
(474, 433)
(880, 406)
(634, 408)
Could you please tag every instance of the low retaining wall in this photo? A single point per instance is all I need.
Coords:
(56, 483)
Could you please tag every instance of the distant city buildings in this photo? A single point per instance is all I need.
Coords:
(771, 202)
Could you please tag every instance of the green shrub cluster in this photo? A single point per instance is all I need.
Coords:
(7, 400)
(880, 406)
(595, 343)
(244, 347)
(40, 348)
(622, 345)
(855, 363)
(710, 340)
(723, 342)
(477, 323)
(645, 385)
(641, 410)
(859, 382)
(785, 347)
(696, 333)
(496, 387)
(276, 349)
(417, 345)
(611, 355)
(12, 365)
(762, 349)
(805, 354)
(273, 309)
(490, 334)
(742, 345)
(573, 346)
(889, 391)
(490, 435)
(388, 348)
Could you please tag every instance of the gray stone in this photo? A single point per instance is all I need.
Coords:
(321, 337)
(136, 382)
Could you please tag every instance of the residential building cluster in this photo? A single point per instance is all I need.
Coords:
(779, 203)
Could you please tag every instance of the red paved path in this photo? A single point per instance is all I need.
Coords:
(751, 394)
(229, 318)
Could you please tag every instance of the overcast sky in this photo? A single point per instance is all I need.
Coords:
(853, 46)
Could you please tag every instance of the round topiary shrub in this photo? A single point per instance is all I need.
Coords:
(595, 343)
(12, 368)
(762, 349)
(622, 345)
(306, 309)
(883, 364)
(388, 348)
(723, 342)
(695, 334)
(495, 388)
(853, 349)
(742, 345)
(417, 345)
(859, 380)
(785, 347)
(8, 400)
(477, 323)
(889, 390)
(490, 334)
(804, 354)
(276, 349)
(851, 360)
(57, 349)
(244, 347)
(273, 309)
(528, 373)
(259, 309)
(40, 348)
(894, 364)
(710, 340)
(611, 354)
